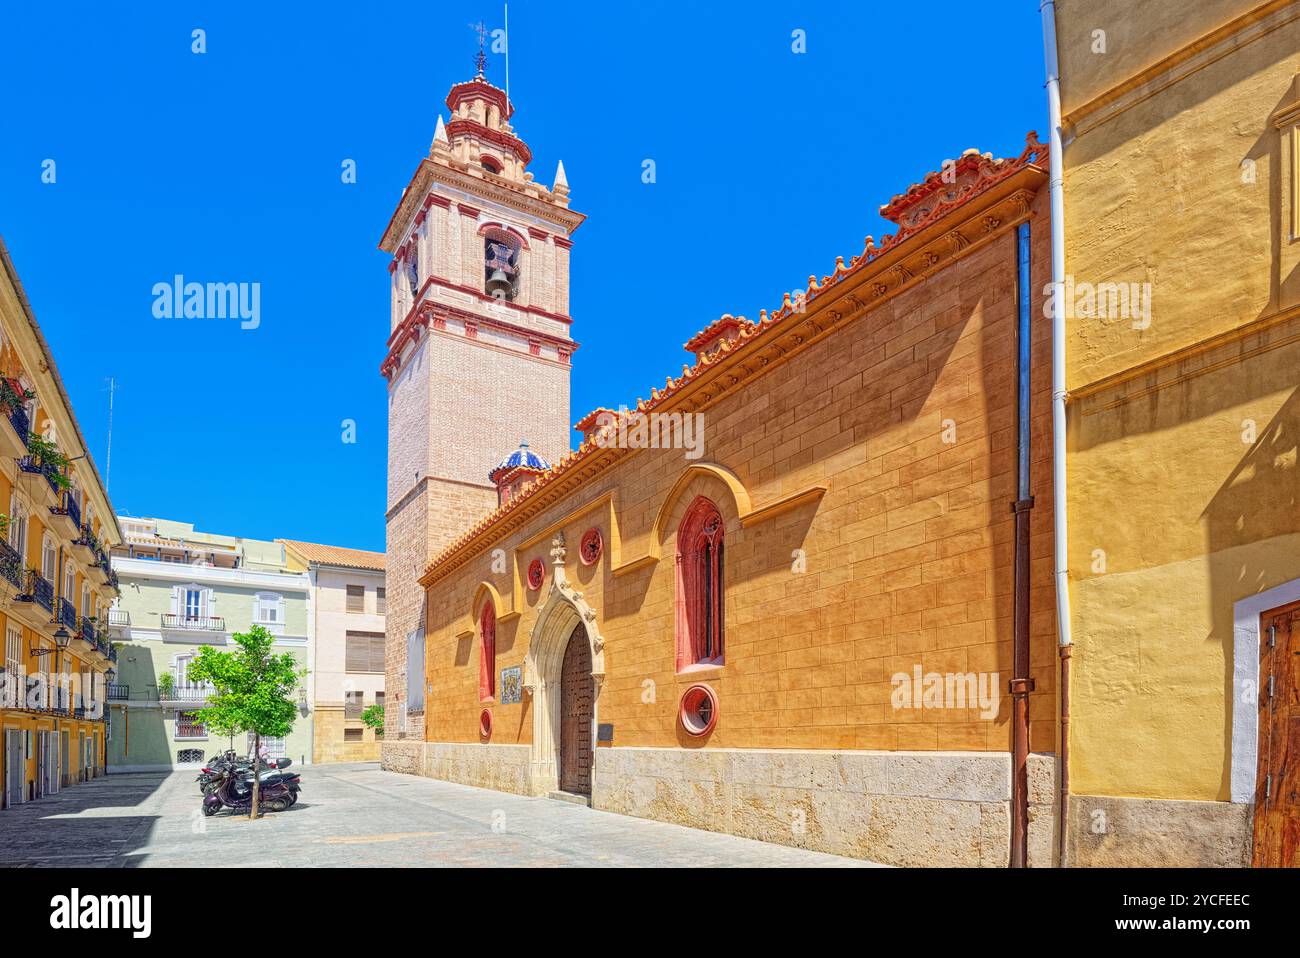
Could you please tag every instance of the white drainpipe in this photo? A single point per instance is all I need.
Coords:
(1056, 179)
(1056, 188)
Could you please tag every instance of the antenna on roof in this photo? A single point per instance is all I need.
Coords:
(507, 38)
(108, 459)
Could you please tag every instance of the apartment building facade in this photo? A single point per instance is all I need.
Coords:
(347, 615)
(182, 589)
(56, 583)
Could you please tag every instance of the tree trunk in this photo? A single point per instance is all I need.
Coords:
(257, 772)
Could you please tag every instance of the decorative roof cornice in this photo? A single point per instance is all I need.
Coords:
(479, 87)
(464, 126)
(948, 230)
(498, 191)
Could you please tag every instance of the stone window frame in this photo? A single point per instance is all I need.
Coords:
(701, 587)
(487, 653)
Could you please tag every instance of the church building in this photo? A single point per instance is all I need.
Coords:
(831, 625)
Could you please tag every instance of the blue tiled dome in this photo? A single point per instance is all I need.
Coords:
(522, 456)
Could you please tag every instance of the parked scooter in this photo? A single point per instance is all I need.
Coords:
(209, 775)
(233, 788)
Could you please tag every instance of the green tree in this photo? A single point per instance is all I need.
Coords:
(253, 691)
(374, 717)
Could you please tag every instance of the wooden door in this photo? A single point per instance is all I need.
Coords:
(15, 768)
(576, 710)
(1277, 784)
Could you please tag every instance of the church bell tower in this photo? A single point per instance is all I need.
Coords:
(479, 348)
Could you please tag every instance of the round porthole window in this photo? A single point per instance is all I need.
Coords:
(591, 547)
(536, 572)
(485, 723)
(699, 710)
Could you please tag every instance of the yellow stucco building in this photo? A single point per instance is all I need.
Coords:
(1181, 125)
(56, 584)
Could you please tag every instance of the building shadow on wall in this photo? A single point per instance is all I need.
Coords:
(1259, 501)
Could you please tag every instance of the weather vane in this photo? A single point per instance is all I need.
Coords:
(481, 59)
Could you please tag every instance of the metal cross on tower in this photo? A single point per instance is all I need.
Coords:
(481, 29)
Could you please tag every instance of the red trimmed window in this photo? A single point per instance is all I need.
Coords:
(487, 654)
(701, 591)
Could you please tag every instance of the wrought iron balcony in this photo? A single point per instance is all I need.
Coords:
(65, 613)
(194, 623)
(119, 617)
(38, 589)
(68, 506)
(87, 630)
(48, 470)
(89, 541)
(187, 693)
(22, 425)
(11, 565)
(118, 692)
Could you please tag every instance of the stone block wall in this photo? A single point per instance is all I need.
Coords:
(896, 808)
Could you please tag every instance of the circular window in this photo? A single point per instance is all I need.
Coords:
(591, 547)
(699, 712)
(485, 723)
(536, 572)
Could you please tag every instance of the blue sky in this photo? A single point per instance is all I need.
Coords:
(225, 167)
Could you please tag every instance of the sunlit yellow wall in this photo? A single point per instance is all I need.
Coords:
(1183, 435)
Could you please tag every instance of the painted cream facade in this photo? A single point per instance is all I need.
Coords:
(344, 681)
(1182, 188)
(182, 589)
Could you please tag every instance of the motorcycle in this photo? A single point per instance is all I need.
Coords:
(210, 774)
(233, 788)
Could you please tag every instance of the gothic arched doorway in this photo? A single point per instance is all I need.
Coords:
(577, 694)
(565, 641)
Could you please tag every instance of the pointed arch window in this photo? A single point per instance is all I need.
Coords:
(701, 586)
(487, 655)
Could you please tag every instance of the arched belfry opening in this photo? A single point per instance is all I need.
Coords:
(560, 746)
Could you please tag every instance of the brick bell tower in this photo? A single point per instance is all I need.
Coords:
(479, 355)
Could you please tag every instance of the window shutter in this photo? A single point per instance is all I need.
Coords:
(176, 600)
(355, 658)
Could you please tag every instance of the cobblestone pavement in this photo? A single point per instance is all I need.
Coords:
(356, 815)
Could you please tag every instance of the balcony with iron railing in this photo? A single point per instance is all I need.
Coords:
(38, 589)
(69, 509)
(20, 422)
(86, 629)
(65, 614)
(193, 623)
(30, 464)
(118, 692)
(119, 619)
(11, 564)
(87, 544)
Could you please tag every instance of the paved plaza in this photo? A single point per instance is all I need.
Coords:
(357, 815)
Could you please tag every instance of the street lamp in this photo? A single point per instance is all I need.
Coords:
(61, 639)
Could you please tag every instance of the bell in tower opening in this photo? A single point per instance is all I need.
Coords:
(502, 268)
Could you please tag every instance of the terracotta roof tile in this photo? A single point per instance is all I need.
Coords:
(336, 555)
